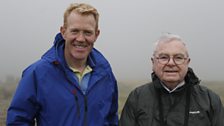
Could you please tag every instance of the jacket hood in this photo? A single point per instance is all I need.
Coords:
(52, 55)
(190, 77)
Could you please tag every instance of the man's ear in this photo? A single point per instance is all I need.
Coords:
(188, 61)
(97, 33)
(62, 30)
(152, 60)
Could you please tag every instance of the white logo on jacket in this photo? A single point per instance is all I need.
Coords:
(194, 112)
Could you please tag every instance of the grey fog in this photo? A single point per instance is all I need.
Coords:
(128, 30)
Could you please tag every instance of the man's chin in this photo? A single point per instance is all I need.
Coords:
(79, 57)
(171, 80)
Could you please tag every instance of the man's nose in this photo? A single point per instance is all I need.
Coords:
(171, 61)
(80, 37)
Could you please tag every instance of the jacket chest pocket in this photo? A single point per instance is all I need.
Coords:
(198, 118)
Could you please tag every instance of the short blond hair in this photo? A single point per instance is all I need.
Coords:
(83, 9)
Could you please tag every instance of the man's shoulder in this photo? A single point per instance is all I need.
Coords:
(201, 89)
(144, 89)
(144, 86)
(39, 65)
(204, 93)
(143, 95)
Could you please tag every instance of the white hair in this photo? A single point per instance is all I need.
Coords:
(165, 38)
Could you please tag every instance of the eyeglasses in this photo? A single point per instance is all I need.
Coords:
(177, 59)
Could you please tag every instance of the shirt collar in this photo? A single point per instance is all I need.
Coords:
(86, 70)
(178, 86)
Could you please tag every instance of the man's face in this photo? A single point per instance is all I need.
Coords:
(171, 73)
(80, 35)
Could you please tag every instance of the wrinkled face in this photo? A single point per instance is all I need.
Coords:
(171, 73)
(80, 35)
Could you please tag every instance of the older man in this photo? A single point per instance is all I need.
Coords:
(174, 97)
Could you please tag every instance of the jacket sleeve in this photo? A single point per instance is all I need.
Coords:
(113, 117)
(217, 110)
(128, 113)
(23, 107)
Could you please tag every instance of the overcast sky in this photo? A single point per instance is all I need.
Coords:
(128, 30)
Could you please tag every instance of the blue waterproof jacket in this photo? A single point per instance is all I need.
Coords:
(49, 94)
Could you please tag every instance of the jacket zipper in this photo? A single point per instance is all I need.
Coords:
(86, 110)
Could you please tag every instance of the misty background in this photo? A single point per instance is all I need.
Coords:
(128, 30)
